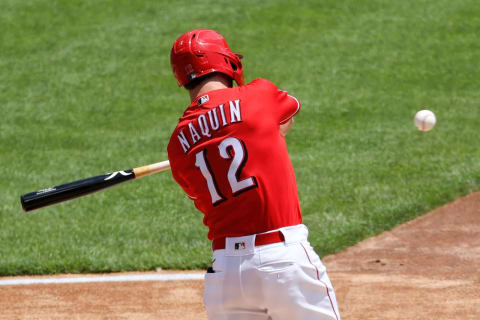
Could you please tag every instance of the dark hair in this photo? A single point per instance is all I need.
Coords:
(197, 81)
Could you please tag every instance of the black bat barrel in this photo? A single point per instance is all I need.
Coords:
(72, 190)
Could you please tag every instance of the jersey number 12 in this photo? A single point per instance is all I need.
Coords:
(238, 160)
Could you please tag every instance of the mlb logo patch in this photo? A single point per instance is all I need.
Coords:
(239, 245)
(203, 99)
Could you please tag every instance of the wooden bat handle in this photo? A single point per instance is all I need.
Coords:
(151, 168)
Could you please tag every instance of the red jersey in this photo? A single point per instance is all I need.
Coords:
(228, 155)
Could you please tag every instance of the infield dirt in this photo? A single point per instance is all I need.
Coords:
(424, 269)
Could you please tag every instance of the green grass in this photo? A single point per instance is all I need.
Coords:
(86, 88)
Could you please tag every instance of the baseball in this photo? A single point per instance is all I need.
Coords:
(425, 120)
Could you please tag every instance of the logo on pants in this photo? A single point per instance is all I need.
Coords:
(239, 245)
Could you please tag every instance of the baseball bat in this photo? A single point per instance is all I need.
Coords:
(50, 196)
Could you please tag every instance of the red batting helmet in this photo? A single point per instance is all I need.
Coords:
(202, 51)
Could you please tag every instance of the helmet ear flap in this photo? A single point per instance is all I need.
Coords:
(238, 70)
(231, 64)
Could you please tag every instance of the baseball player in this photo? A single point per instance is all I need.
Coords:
(229, 154)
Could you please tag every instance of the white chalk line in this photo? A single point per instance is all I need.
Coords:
(97, 279)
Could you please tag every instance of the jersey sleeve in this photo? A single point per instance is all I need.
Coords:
(288, 106)
(283, 105)
(176, 172)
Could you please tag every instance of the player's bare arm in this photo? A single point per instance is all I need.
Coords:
(285, 128)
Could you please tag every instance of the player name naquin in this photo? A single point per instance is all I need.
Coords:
(206, 123)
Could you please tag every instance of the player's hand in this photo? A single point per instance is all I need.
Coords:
(284, 128)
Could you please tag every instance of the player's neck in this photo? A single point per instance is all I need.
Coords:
(213, 83)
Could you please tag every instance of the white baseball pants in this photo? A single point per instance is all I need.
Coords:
(280, 281)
